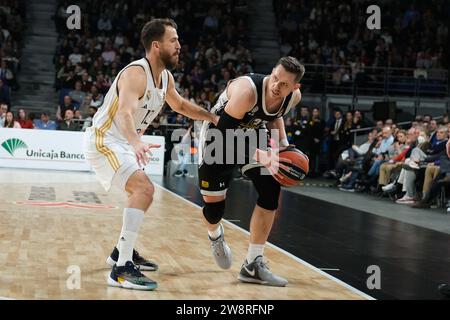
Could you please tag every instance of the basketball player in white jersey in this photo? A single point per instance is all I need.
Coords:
(114, 148)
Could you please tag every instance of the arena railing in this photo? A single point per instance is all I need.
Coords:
(360, 80)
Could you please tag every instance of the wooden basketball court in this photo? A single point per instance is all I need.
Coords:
(53, 224)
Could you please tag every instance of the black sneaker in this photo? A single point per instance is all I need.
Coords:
(178, 173)
(142, 263)
(129, 277)
(258, 272)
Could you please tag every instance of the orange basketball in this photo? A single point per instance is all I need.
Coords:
(297, 169)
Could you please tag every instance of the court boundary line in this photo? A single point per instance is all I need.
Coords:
(306, 264)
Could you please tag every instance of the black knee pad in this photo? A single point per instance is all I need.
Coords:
(214, 211)
(269, 200)
(267, 187)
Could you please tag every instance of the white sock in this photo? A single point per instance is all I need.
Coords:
(254, 250)
(132, 220)
(216, 233)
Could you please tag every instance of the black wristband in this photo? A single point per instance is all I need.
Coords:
(227, 122)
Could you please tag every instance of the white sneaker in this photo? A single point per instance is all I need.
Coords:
(405, 200)
(345, 177)
(414, 165)
(389, 187)
(221, 251)
(258, 272)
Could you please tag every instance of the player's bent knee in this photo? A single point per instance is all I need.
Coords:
(214, 211)
(148, 190)
(268, 203)
(143, 188)
(268, 192)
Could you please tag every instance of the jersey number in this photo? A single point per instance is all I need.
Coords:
(149, 112)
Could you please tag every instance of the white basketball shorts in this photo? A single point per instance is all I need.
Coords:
(112, 160)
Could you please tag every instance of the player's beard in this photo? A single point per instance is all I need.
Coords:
(169, 60)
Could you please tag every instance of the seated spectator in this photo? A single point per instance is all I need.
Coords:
(379, 124)
(3, 111)
(61, 110)
(77, 95)
(6, 75)
(10, 122)
(398, 155)
(433, 152)
(77, 115)
(108, 54)
(102, 83)
(69, 124)
(384, 142)
(24, 122)
(442, 179)
(351, 163)
(63, 74)
(408, 174)
(44, 123)
(432, 129)
(86, 82)
(88, 120)
(155, 128)
(381, 152)
(104, 23)
(179, 119)
(84, 107)
(75, 56)
(97, 98)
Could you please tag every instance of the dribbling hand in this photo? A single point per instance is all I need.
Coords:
(270, 160)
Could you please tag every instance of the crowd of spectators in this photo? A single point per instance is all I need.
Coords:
(72, 121)
(409, 164)
(212, 35)
(334, 35)
(12, 16)
(413, 33)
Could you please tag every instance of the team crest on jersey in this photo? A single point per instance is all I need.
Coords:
(149, 94)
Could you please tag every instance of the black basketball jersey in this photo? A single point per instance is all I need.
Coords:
(258, 116)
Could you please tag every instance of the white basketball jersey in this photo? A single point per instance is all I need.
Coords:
(149, 105)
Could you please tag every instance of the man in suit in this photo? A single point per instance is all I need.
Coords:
(336, 137)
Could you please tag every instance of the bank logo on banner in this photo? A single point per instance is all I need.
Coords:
(13, 144)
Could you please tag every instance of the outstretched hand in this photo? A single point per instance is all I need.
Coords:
(142, 151)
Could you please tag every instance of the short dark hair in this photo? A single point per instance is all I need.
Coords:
(154, 30)
(292, 65)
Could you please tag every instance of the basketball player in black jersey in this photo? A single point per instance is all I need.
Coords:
(253, 103)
